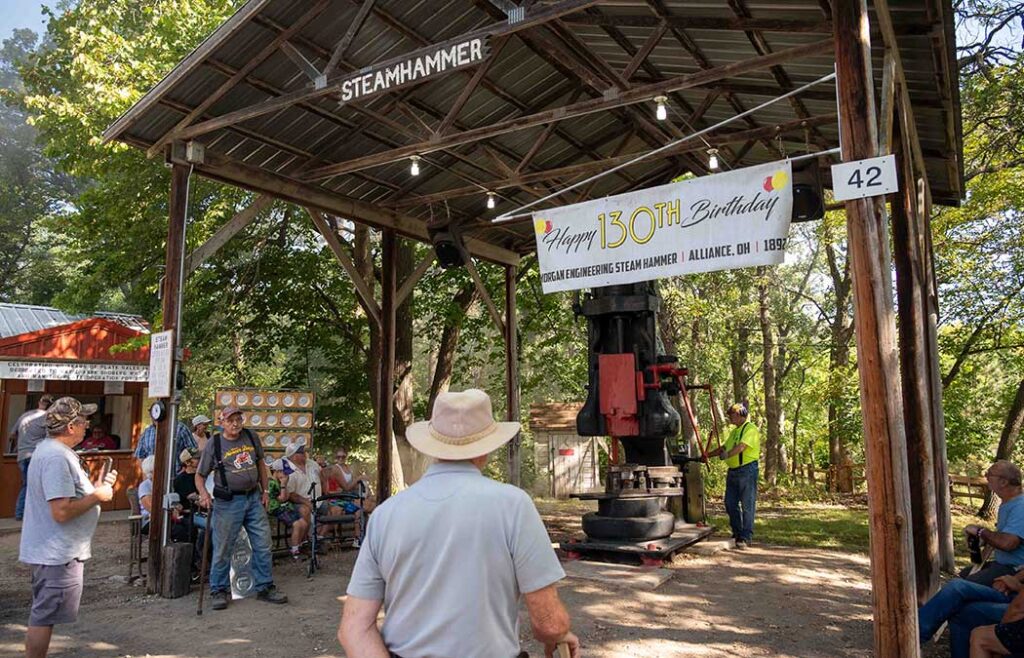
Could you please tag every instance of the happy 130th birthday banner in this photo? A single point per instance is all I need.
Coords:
(725, 221)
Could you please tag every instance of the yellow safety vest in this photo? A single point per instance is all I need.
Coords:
(750, 436)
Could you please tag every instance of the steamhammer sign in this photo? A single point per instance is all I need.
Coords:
(424, 64)
(735, 219)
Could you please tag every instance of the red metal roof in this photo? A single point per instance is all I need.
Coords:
(86, 340)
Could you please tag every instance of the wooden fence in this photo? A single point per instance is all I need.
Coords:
(850, 477)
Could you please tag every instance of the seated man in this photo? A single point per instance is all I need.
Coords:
(981, 598)
(1004, 480)
(284, 510)
(145, 492)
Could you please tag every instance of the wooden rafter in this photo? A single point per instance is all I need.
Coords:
(718, 138)
(350, 35)
(644, 52)
(485, 295)
(306, 66)
(634, 95)
(239, 75)
(332, 84)
(471, 86)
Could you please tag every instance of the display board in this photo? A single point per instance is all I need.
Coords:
(279, 418)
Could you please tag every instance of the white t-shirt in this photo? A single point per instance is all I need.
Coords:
(299, 480)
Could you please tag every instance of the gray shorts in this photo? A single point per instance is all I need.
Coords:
(56, 593)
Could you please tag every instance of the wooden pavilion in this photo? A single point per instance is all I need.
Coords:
(329, 103)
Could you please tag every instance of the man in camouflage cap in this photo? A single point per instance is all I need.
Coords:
(62, 508)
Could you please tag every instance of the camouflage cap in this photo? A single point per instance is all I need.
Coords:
(738, 408)
(65, 411)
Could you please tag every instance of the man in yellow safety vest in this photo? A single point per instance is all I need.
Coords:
(740, 453)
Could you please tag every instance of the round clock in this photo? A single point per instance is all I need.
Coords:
(157, 411)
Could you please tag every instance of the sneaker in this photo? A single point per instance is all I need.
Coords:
(271, 595)
(296, 556)
(219, 600)
(741, 545)
(356, 543)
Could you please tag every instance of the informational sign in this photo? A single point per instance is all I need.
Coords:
(161, 363)
(382, 78)
(72, 371)
(113, 388)
(279, 418)
(864, 178)
(736, 219)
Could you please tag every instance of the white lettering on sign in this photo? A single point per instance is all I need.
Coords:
(446, 58)
(864, 178)
(72, 371)
(735, 219)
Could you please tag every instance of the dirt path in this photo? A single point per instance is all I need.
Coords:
(767, 601)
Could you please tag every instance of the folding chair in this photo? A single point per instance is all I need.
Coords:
(319, 518)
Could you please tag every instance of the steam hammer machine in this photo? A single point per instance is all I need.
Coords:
(630, 384)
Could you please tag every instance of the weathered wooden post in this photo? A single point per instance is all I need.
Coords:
(512, 402)
(386, 379)
(892, 566)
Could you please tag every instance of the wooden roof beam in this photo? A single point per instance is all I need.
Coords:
(227, 170)
(738, 24)
(613, 100)
(350, 35)
(718, 138)
(239, 75)
(332, 84)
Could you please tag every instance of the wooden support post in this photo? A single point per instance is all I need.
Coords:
(908, 251)
(363, 291)
(485, 295)
(386, 380)
(410, 283)
(942, 497)
(226, 232)
(512, 402)
(165, 430)
(892, 566)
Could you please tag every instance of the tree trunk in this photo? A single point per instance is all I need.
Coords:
(449, 344)
(738, 361)
(413, 463)
(771, 402)
(1007, 441)
(840, 332)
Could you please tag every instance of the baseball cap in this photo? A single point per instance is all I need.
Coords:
(187, 454)
(65, 411)
(228, 412)
(200, 419)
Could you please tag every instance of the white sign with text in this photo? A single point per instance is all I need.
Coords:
(71, 371)
(864, 178)
(735, 219)
(161, 363)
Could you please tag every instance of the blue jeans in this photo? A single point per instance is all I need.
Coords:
(19, 508)
(741, 500)
(970, 617)
(229, 516)
(951, 600)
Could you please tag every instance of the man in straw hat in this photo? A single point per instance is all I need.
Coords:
(62, 508)
(449, 556)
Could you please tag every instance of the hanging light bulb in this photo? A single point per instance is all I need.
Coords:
(414, 169)
(662, 112)
(712, 159)
(490, 199)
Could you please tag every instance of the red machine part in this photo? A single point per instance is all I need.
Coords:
(618, 393)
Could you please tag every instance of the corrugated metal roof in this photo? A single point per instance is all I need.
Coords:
(575, 58)
(16, 319)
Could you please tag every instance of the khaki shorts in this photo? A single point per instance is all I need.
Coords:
(56, 593)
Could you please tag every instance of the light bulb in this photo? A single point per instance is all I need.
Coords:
(490, 199)
(662, 112)
(414, 169)
(712, 159)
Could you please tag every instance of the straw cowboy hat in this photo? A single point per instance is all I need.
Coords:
(461, 427)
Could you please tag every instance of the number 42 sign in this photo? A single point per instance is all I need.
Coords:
(864, 178)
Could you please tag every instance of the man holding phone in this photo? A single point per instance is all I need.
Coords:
(62, 508)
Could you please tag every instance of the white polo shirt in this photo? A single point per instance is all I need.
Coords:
(450, 557)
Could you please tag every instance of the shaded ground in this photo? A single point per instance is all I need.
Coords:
(767, 601)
